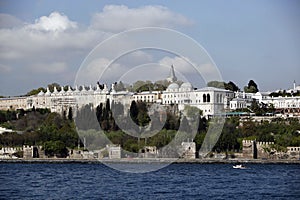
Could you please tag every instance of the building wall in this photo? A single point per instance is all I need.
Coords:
(256, 150)
(210, 100)
(188, 150)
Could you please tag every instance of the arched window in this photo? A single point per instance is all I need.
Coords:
(221, 98)
(204, 98)
(217, 98)
(208, 98)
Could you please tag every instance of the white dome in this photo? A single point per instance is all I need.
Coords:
(173, 86)
(186, 87)
(41, 93)
(48, 93)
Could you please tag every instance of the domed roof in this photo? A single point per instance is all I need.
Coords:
(186, 85)
(48, 93)
(173, 86)
(41, 93)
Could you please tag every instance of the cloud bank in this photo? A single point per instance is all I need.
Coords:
(51, 48)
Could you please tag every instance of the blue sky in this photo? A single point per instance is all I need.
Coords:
(257, 40)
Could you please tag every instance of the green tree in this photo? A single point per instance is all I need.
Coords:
(192, 111)
(232, 86)
(35, 91)
(251, 88)
(55, 148)
(134, 112)
(142, 118)
(86, 118)
(119, 86)
(52, 85)
(70, 114)
(216, 84)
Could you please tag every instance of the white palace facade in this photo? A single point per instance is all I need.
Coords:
(286, 105)
(212, 101)
(58, 101)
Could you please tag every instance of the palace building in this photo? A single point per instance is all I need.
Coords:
(212, 101)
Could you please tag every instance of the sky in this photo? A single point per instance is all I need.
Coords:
(42, 42)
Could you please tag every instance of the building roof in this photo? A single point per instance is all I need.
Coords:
(186, 85)
(172, 77)
(212, 89)
(173, 86)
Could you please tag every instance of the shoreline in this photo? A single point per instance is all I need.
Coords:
(149, 161)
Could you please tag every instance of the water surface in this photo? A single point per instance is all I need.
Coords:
(177, 181)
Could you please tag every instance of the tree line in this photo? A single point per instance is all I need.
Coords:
(57, 132)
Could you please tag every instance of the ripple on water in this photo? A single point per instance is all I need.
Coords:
(188, 181)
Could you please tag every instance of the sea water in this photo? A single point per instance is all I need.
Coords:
(176, 181)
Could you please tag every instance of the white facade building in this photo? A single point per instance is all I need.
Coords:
(210, 100)
(148, 96)
(241, 100)
(286, 104)
(58, 101)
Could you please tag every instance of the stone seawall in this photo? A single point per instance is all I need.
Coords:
(157, 160)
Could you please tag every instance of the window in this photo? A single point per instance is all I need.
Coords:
(208, 98)
(204, 98)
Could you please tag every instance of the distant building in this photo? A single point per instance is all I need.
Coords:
(210, 100)
(172, 78)
(188, 150)
(149, 152)
(241, 100)
(293, 152)
(288, 106)
(114, 151)
(148, 96)
(30, 152)
(8, 152)
(257, 150)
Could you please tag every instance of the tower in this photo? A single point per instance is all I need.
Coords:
(172, 77)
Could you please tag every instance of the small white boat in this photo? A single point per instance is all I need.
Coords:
(239, 167)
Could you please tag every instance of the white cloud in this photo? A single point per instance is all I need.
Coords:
(115, 18)
(55, 22)
(55, 44)
(9, 21)
(49, 38)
